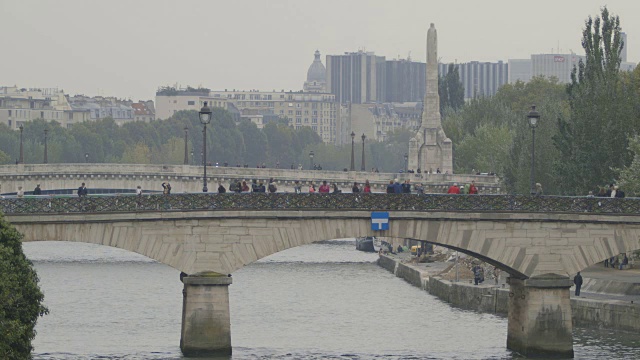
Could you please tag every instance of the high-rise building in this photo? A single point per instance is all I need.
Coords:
(519, 70)
(479, 78)
(357, 77)
(405, 81)
(316, 76)
(554, 65)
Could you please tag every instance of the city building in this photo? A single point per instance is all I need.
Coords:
(357, 77)
(479, 78)
(170, 100)
(519, 70)
(315, 110)
(19, 105)
(405, 81)
(316, 76)
(100, 107)
(623, 54)
(144, 111)
(377, 120)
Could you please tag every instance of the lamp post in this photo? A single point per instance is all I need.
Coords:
(406, 162)
(533, 118)
(46, 131)
(353, 165)
(86, 157)
(186, 142)
(205, 118)
(362, 168)
(311, 154)
(21, 161)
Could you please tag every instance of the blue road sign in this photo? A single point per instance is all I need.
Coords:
(379, 221)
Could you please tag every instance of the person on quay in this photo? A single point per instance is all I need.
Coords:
(272, 186)
(245, 187)
(20, 192)
(139, 190)
(166, 188)
(296, 187)
(624, 262)
(419, 189)
(335, 189)
(221, 189)
(37, 190)
(578, 281)
(261, 187)
(254, 186)
(312, 188)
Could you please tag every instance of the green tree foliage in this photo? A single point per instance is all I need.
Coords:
(451, 90)
(20, 296)
(593, 140)
(630, 175)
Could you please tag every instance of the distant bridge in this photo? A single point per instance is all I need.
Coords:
(187, 178)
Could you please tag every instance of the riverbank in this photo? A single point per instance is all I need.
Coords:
(592, 310)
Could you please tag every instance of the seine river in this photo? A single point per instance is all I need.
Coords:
(320, 301)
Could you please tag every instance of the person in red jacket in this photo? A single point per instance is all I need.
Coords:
(472, 188)
(324, 188)
(454, 189)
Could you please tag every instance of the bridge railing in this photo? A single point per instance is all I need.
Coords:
(290, 201)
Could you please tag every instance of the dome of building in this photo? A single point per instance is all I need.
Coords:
(316, 71)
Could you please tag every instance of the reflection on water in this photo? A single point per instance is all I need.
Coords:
(320, 301)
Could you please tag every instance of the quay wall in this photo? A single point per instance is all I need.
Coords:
(586, 313)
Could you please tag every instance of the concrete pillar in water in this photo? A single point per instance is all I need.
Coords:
(206, 321)
(540, 324)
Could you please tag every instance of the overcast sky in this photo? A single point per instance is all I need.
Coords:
(130, 48)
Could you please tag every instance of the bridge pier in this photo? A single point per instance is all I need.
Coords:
(540, 324)
(206, 323)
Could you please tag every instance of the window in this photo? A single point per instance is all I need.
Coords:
(306, 120)
(315, 128)
(298, 120)
(70, 116)
(9, 112)
(298, 112)
(42, 114)
(191, 102)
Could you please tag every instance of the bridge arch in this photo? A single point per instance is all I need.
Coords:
(524, 244)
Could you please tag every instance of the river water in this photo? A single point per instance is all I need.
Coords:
(319, 301)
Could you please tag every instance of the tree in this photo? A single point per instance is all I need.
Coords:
(593, 141)
(20, 296)
(630, 176)
(451, 90)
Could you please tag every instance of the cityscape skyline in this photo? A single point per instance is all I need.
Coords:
(129, 51)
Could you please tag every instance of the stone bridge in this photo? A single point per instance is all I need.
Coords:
(187, 178)
(540, 241)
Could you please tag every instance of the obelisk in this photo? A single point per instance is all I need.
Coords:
(430, 149)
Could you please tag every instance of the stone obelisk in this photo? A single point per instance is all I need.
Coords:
(430, 149)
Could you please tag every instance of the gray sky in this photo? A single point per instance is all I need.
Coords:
(130, 48)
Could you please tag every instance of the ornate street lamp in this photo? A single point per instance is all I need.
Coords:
(362, 168)
(46, 131)
(21, 161)
(406, 162)
(533, 118)
(353, 164)
(311, 154)
(86, 157)
(186, 142)
(205, 118)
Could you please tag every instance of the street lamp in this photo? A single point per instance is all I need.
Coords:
(86, 157)
(353, 165)
(46, 131)
(21, 161)
(406, 162)
(533, 117)
(186, 142)
(362, 168)
(311, 154)
(205, 118)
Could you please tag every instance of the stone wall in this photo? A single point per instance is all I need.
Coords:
(586, 313)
